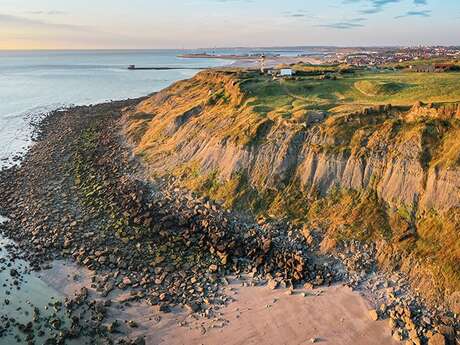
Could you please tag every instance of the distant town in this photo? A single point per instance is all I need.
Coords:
(420, 58)
(385, 56)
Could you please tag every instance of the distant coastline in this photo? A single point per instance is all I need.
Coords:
(220, 56)
(252, 60)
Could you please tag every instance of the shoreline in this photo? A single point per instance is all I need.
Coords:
(68, 148)
(241, 61)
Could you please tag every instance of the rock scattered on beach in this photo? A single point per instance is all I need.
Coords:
(373, 314)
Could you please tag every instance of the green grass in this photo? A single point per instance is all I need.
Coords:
(362, 88)
(351, 215)
(379, 88)
(407, 64)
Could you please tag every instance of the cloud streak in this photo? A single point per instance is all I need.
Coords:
(49, 13)
(16, 20)
(376, 6)
(425, 13)
(298, 14)
(345, 25)
(341, 25)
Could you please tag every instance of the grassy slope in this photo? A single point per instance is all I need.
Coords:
(312, 93)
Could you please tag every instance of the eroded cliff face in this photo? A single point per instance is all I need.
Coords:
(391, 151)
(210, 131)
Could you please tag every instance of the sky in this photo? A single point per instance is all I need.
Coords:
(144, 24)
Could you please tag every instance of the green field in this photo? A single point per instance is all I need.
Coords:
(357, 89)
(407, 64)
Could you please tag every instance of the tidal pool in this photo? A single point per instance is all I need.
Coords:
(29, 308)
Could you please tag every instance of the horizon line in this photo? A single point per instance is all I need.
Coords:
(235, 47)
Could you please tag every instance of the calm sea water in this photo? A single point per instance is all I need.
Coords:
(40, 81)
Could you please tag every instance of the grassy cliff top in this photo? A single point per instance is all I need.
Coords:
(359, 88)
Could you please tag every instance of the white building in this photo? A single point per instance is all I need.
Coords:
(286, 72)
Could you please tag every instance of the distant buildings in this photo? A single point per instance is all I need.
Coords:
(286, 72)
(383, 56)
(422, 68)
(279, 72)
(433, 68)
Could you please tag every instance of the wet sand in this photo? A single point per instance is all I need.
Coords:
(18, 300)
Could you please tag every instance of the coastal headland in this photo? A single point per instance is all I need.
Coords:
(136, 206)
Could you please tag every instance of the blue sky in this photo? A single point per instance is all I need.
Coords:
(216, 23)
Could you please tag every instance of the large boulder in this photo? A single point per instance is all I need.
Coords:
(437, 339)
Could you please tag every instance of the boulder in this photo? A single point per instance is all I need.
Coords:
(272, 284)
(192, 307)
(139, 341)
(374, 315)
(437, 339)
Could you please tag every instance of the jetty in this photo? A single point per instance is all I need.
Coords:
(135, 68)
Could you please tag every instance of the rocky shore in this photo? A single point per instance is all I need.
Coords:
(80, 194)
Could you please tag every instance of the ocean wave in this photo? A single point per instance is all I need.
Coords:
(38, 111)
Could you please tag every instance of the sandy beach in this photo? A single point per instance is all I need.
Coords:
(272, 62)
(335, 315)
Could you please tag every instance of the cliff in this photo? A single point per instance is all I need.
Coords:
(287, 149)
